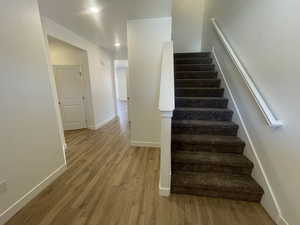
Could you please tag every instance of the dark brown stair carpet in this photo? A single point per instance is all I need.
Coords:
(206, 152)
(197, 82)
(193, 60)
(239, 187)
(211, 127)
(198, 92)
(194, 67)
(192, 54)
(195, 74)
(202, 114)
(201, 102)
(207, 143)
(228, 163)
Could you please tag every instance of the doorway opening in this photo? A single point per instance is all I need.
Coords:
(122, 90)
(70, 67)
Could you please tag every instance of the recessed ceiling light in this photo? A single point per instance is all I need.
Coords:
(94, 10)
(117, 44)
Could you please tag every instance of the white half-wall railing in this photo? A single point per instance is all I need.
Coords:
(166, 107)
(263, 106)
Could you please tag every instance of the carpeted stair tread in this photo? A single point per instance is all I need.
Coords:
(192, 54)
(198, 82)
(211, 162)
(199, 127)
(199, 73)
(217, 181)
(202, 98)
(201, 102)
(200, 109)
(193, 60)
(192, 123)
(206, 143)
(202, 114)
(199, 92)
(207, 139)
(194, 67)
(238, 187)
(199, 88)
(195, 74)
(212, 158)
(194, 64)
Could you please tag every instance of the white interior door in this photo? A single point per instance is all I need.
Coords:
(70, 91)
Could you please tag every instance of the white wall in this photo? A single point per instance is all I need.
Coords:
(145, 41)
(121, 80)
(187, 25)
(100, 70)
(121, 53)
(31, 148)
(264, 35)
(62, 53)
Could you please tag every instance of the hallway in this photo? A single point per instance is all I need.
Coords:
(110, 183)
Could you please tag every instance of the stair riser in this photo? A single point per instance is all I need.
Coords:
(179, 146)
(206, 130)
(187, 75)
(208, 168)
(208, 103)
(197, 83)
(191, 55)
(199, 92)
(243, 196)
(193, 61)
(179, 67)
(203, 115)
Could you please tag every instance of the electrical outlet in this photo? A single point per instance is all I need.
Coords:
(2, 186)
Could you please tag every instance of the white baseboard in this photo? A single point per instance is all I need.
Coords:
(65, 147)
(19, 204)
(269, 193)
(164, 192)
(145, 144)
(101, 124)
(282, 221)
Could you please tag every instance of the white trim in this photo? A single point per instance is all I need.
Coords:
(60, 66)
(166, 96)
(157, 19)
(84, 90)
(164, 192)
(118, 64)
(269, 190)
(61, 33)
(19, 204)
(102, 123)
(259, 99)
(145, 144)
(166, 108)
(54, 94)
(282, 221)
(65, 147)
(166, 114)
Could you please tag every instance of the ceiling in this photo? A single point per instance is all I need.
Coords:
(109, 25)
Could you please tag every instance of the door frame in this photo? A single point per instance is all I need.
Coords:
(84, 89)
(124, 64)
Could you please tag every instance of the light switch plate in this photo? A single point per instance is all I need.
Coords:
(2, 186)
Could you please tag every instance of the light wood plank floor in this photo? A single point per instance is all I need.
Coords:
(110, 183)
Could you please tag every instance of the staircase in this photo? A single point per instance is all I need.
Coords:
(207, 155)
